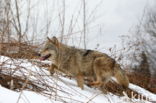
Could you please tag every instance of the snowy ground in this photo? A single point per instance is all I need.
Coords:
(63, 90)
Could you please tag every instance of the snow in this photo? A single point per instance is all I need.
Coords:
(146, 93)
(64, 90)
(8, 96)
(31, 97)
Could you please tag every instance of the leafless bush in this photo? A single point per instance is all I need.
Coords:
(22, 75)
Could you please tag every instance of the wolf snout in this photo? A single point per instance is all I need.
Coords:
(45, 57)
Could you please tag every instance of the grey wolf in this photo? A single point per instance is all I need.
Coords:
(81, 64)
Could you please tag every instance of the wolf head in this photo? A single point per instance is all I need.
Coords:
(50, 50)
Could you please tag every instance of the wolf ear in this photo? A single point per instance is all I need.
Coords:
(54, 40)
(49, 39)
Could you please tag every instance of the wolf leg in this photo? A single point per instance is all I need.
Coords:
(80, 80)
(51, 68)
(96, 83)
(97, 67)
(98, 76)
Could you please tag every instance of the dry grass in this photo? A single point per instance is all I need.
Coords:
(143, 80)
(139, 79)
(18, 50)
(16, 83)
(118, 90)
(15, 75)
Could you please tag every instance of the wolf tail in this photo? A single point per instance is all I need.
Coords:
(121, 77)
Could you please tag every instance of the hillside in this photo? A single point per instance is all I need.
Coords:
(35, 85)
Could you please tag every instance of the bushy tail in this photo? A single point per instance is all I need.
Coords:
(121, 77)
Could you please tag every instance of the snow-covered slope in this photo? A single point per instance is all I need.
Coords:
(57, 89)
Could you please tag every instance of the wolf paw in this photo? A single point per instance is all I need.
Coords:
(52, 72)
(94, 84)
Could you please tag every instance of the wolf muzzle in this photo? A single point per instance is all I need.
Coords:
(45, 57)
